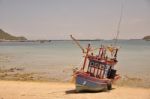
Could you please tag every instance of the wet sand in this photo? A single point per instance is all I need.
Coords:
(58, 90)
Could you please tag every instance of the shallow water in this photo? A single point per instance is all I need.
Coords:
(57, 58)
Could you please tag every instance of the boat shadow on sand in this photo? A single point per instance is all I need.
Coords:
(84, 92)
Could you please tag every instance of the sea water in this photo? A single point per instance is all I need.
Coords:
(58, 58)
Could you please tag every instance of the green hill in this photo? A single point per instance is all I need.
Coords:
(147, 38)
(6, 36)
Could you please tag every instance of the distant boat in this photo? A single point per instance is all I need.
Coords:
(43, 41)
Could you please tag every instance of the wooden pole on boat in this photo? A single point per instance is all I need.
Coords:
(100, 74)
(86, 56)
(77, 43)
(97, 72)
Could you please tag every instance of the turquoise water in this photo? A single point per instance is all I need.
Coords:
(57, 58)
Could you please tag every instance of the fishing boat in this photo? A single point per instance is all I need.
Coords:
(97, 72)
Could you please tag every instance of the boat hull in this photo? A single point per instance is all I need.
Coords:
(88, 83)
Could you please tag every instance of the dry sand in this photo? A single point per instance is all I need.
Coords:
(57, 90)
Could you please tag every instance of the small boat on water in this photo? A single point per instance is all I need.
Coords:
(97, 72)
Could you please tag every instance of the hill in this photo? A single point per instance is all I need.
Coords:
(6, 36)
(147, 38)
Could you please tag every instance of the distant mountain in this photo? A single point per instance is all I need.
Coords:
(6, 36)
(147, 38)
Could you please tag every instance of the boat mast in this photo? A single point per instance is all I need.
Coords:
(88, 49)
(86, 56)
(119, 22)
(77, 43)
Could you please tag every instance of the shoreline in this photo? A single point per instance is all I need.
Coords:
(59, 90)
(19, 74)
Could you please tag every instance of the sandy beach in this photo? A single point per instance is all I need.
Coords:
(58, 90)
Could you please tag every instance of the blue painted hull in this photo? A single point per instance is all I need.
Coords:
(87, 83)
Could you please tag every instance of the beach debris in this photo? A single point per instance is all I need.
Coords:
(19, 74)
(133, 81)
(13, 69)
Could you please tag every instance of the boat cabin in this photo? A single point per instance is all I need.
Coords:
(102, 66)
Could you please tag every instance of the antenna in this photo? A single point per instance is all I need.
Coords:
(118, 27)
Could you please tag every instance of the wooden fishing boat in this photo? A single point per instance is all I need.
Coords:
(99, 73)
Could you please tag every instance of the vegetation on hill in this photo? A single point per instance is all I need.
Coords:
(147, 38)
(6, 36)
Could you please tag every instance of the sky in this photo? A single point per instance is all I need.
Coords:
(85, 19)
